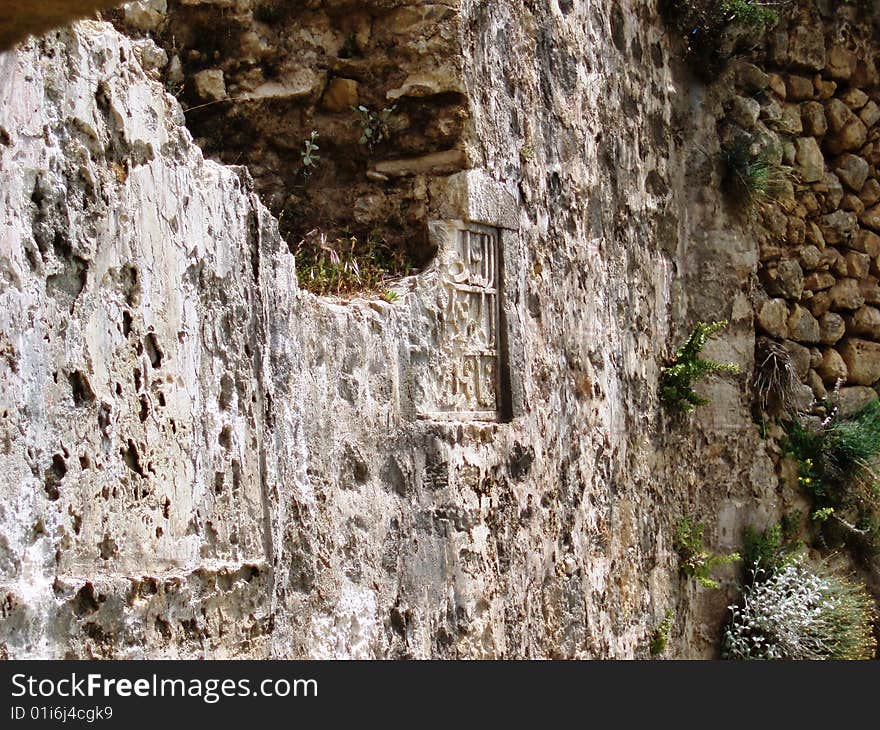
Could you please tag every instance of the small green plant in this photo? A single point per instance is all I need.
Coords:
(686, 367)
(800, 612)
(821, 515)
(309, 154)
(837, 460)
(346, 265)
(695, 560)
(390, 296)
(753, 176)
(374, 125)
(660, 635)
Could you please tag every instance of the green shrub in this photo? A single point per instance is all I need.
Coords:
(660, 635)
(686, 367)
(837, 459)
(753, 176)
(798, 612)
(695, 560)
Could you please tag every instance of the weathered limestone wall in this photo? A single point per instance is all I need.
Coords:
(200, 459)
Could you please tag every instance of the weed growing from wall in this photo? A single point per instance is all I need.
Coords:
(753, 174)
(695, 560)
(347, 266)
(660, 635)
(374, 125)
(686, 367)
(837, 466)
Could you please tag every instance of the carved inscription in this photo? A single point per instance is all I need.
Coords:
(468, 330)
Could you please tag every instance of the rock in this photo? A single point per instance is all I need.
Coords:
(795, 232)
(870, 193)
(798, 88)
(851, 137)
(870, 114)
(854, 98)
(808, 159)
(813, 119)
(838, 227)
(785, 280)
(772, 318)
(846, 295)
(814, 380)
(824, 89)
(840, 63)
(833, 190)
(802, 326)
(341, 95)
(852, 399)
(819, 304)
(174, 71)
(743, 111)
(857, 264)
(869, 288)
(862, 360)
(791, 119)
(864, 322)
(865, 75)
(806, 47)
(809, 256)
(777, 85)
(813, 235)
(209, 85)
(852, 171)
(871, 217)
(852, 203)
(831, 328)
(838, 115)
(751, 78)
(145, 15)
(435, 163)
(800, 358)
(429, 83)
(867, 242)
(819, 280)
(832, 368)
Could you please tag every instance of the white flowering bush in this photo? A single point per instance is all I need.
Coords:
(797, 612)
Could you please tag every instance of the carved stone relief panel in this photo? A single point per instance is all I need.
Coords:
(465, 365)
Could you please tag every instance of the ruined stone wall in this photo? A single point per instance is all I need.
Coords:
(201, 459)
(818, 105)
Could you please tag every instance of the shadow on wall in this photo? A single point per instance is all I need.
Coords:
(19, 20)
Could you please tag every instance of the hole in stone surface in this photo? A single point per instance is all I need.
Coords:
(53, 476)
(107, 548)
(126, 323)
(81, 389)
(137, 379)
(132, 459)
(225, 438)
(85, 602)
(151, 345)
(144, 409)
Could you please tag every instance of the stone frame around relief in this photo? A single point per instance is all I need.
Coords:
(471, 371)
